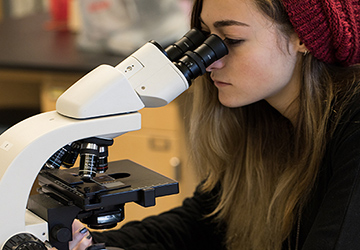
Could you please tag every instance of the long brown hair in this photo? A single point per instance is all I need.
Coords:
(266, 165)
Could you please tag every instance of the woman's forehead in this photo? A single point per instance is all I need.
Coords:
(244, 13)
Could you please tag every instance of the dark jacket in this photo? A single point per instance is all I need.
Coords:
(331, 220)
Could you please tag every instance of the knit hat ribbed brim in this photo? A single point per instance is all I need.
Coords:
(330, 29)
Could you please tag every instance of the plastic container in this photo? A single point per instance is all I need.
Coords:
(122, 26)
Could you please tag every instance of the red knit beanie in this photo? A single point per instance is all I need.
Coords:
(330, 29)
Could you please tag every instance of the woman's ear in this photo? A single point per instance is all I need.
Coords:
(302, 48)
(298, 45)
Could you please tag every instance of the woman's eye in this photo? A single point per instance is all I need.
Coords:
(233, 42)
(228, 41)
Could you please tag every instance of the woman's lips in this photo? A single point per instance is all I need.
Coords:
(220, 84)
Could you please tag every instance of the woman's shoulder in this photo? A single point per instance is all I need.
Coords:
(345, 140)
(349, 120)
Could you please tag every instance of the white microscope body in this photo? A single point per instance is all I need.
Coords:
(103, 104)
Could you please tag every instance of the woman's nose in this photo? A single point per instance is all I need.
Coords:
(215, 65)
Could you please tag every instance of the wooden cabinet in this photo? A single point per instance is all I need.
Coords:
(19, 89)
(1, 10)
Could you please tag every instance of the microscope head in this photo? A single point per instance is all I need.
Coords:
(150, 77)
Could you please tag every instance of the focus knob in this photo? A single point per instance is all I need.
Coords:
(24, 241)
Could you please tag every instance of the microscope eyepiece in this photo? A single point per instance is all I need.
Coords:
(191, 40)
(194, 63)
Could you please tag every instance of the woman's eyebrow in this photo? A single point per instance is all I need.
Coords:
(224, 23)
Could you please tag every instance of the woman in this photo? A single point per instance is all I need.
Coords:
(275, 134)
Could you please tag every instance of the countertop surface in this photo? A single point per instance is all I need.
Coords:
(26, 44)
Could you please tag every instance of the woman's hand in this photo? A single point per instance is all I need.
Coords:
(81, 237)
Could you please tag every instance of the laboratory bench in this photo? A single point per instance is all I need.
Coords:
(37, 65)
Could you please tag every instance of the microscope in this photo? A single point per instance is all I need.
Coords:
(102, 105)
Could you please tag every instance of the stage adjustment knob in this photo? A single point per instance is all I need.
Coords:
(24, 241)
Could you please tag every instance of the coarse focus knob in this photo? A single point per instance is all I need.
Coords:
(61, 233)
(24, 241)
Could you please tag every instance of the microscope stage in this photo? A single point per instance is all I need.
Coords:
(125, 181)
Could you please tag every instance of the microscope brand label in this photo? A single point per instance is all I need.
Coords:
(6, 145)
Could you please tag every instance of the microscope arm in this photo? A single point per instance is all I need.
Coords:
(25, 148)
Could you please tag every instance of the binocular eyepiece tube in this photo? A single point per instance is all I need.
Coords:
(193, 53)
(190, 41)
(194, 63)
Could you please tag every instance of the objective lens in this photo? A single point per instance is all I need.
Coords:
(189, 41)
(89, 157)
(103, 162)
(70, 157)
(194, 63)
(57, 158)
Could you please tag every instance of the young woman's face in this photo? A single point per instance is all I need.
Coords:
(261, 63)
